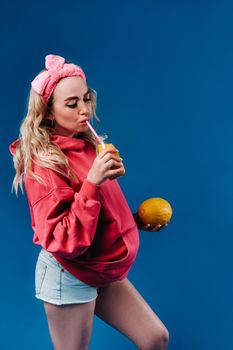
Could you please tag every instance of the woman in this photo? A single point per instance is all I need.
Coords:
(80, 217)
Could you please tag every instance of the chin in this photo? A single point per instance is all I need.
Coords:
(82, 128)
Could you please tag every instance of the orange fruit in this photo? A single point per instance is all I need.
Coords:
(155, 211)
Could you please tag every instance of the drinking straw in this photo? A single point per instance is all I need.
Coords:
(96, 135)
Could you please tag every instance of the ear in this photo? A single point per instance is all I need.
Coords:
(49, 115)
(49, 110)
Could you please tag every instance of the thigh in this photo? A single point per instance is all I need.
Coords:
(122, 306)
(70, 325)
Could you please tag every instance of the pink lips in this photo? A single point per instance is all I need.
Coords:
(84, 121)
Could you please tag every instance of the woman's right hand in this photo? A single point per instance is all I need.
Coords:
(107, 165)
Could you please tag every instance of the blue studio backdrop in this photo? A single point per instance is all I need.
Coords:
(163, 73)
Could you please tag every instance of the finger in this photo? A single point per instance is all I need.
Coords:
(113, 164)
(113, 173)
(114, 159)
(146, 227)
(149, 229)
(163, 226)
(110, 156)
(156, 228)
(116, 170)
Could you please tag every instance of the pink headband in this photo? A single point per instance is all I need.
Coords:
(45, 82)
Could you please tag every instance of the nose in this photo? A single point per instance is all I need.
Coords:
(83, 108)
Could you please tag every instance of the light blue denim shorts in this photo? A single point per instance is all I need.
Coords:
(54, 284)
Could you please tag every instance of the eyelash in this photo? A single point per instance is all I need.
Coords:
(74, 105)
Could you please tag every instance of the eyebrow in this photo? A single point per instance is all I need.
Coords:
(76, 97)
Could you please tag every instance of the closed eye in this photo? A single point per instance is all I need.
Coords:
(74, 105)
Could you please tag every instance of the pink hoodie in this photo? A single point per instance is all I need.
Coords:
(88, 228)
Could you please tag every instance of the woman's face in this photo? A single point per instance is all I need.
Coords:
(71, 106)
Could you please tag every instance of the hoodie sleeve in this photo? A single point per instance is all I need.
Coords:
(64, 221)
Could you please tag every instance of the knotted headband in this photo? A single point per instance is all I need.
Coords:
(46, 81)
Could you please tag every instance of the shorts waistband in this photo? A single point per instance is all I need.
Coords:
(47, 256)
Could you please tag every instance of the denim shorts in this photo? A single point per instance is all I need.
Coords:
(54, 284)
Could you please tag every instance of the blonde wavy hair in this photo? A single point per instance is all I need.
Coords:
(35, 145)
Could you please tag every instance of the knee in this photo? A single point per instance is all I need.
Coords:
(164, 339)
(158, 340)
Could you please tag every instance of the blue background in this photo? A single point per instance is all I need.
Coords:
(163, 73)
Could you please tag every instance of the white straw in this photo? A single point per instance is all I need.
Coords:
(96, 135)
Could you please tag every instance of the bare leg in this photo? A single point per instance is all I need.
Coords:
(121, 306)
(70, 326)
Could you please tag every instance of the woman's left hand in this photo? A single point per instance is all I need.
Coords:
(148, 227)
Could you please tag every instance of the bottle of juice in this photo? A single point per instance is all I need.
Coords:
(107, 144)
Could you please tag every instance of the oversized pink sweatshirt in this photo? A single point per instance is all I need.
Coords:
(88, 228)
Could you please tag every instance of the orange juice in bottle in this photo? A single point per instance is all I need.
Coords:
(104, 144)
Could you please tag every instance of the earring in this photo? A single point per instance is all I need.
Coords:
(53, 123)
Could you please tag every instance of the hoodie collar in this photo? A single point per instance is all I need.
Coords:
(64, 142)
(68, 143)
